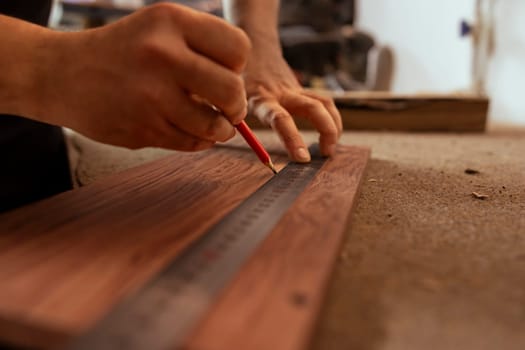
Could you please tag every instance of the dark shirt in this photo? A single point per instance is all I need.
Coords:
(33, 156)
(321, 15)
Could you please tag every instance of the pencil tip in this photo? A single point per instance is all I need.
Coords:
(272, 167)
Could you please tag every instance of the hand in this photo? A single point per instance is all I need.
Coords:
(274, 95)
(132, 83)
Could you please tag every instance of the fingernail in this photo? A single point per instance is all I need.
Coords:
(302, 155)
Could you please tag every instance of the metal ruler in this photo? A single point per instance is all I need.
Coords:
(162, 313)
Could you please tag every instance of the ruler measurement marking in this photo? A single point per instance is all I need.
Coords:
(161, 314)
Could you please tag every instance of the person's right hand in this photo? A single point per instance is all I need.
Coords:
(132, 83)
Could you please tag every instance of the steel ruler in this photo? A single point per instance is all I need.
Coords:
(160, 315)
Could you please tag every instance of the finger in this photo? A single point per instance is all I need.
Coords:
(330, 107)
(217, 39)
(221, 87)
(199, 120)
(175, 138)
(314, 111)
(271, 113)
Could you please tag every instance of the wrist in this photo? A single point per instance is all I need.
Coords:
(51, 66)
(263, 40)
(25, 52)
(259, 19)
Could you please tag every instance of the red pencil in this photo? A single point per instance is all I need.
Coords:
(255, 144)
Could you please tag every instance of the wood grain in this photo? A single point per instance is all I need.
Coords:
(66, 261)
(275, 299)
(427, 113)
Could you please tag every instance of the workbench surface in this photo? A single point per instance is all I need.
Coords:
(426, 265)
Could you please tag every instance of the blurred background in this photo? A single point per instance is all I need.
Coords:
(402, 46)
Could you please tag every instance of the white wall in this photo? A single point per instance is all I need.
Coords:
(424, 35)
(430, 55)
(506, 81)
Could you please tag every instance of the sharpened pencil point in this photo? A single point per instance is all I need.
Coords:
(272, 167)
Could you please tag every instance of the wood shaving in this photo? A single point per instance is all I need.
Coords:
(470, 171)
(372, 180)
(479, 195)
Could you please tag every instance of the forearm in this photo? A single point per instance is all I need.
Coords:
(257, 18)
(23, 61)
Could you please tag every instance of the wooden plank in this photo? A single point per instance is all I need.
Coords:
(64, 262)
(402, 112)
(275, 299)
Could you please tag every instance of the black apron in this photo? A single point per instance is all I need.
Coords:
(33, 156)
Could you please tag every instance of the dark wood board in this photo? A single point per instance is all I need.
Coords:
(64, 262)
(275, 299)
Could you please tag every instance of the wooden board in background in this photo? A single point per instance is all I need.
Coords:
(402, 112)
(66, 261)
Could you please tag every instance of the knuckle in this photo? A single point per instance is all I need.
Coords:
(238, 43)
(330, 102)
(314, 106)
(276, 118)
(325, 100)
(163, 12)
(191, 66)
(151, 97)
(149, 49)
(330, 132)
(316, 109)
(153, 52)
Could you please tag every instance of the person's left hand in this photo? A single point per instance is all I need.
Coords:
(275, 95)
